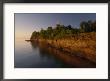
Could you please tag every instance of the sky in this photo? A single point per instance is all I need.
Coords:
(26, 23)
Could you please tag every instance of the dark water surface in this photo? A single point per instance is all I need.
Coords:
(40, 55)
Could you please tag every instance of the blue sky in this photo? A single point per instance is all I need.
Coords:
(26, 23)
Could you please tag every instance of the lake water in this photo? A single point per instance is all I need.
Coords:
(40, 55)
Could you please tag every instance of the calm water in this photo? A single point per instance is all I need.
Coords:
(40, 55)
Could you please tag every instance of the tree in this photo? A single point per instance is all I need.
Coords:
(88, 26)
(83, 26)
(69, 27)
(61, 31)
(94, 26)
(43, 33)
(49, 32)
(34, 35)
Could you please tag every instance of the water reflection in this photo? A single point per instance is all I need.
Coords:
(66, 59)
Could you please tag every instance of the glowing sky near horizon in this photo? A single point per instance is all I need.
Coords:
(26, 23)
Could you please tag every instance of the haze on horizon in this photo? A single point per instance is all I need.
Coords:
(26, 23)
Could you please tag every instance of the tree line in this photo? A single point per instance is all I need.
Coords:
(61, 31)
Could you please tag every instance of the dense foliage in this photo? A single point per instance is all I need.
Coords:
(61, 31)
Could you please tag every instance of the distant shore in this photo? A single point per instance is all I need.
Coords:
(83, 45)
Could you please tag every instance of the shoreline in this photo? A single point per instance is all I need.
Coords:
(81, 46)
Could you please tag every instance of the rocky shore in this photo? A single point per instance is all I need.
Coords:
(82, 45)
